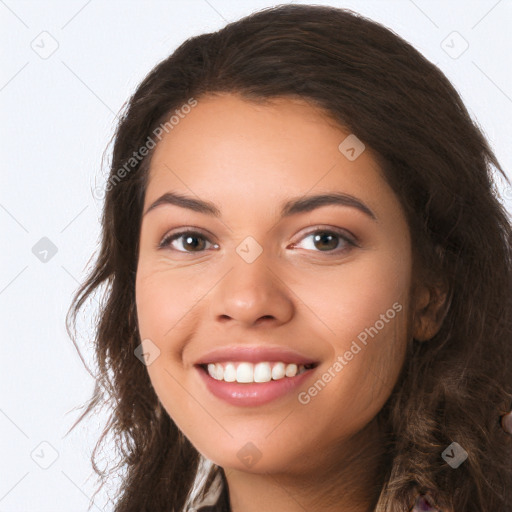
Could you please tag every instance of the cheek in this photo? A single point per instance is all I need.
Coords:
(363, 311)
(164, 298)
(353, 297)
(163, 309)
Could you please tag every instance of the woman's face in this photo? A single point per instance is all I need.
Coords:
(330, 282)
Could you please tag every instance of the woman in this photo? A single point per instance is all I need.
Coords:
(370, 374)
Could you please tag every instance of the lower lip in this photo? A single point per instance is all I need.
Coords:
(252, 394)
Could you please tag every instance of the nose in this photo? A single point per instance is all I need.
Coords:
(252, 294)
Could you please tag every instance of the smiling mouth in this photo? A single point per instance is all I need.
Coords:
(273, 371)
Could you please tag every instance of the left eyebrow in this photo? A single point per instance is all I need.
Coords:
(310, 203)
(291, 207)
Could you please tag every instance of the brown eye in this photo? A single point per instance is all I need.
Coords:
(192, 241)
(325, 240)
(329, 241)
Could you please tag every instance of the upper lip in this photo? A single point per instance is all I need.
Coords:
(254, 355)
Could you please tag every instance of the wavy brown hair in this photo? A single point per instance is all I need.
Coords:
(453, 387)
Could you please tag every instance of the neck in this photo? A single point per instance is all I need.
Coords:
(348, 478)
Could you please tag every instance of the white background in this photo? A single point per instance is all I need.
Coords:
(58, 115)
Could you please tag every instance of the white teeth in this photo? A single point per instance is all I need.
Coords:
(230, 372)
(249, 372)
(279, 371)
(244, 372)
(212, 370)
(262, 372)
(291, 370)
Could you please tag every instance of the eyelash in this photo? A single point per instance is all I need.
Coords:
(351, 243)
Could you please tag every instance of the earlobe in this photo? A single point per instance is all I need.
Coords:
(431, 307)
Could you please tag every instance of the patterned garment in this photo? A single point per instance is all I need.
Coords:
(423, 504)
(217, 500)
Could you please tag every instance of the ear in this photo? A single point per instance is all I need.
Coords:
(430, 306)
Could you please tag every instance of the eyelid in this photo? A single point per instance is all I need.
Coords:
(176, 234)
(341, 232)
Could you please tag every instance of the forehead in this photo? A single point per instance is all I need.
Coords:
(240, 152)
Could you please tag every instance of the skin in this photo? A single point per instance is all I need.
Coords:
(248, 159)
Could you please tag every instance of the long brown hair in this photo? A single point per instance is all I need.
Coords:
(453, 387)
